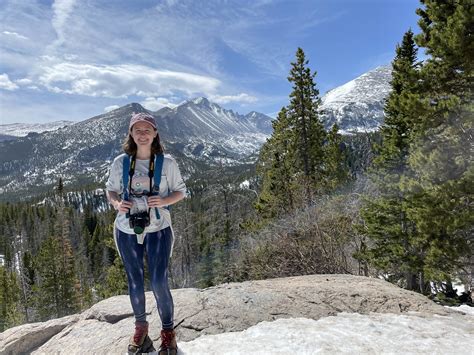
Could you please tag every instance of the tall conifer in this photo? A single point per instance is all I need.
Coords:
(291, 162)
(442, 155)
(309, 133)
(393, 248)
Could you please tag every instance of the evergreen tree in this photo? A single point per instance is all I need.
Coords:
(278, 191)
(336, 169)
(95, 253)
(308, 133)
(26, 274)
(115, 282)
(57, 287)
(56, 294)
(441, 156)
(291, 162)
(425, 228)
(10, 303)
(385, 220)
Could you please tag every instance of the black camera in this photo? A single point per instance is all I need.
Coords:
(139, 216)
(139, 221)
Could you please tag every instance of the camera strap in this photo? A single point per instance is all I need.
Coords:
(156, 164)
(151, 172)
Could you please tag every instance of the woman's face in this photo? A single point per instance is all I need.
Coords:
(143, 134)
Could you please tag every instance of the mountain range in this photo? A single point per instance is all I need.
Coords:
(199, 133)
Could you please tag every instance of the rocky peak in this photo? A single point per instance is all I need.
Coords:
(201, 101)
(357, 106)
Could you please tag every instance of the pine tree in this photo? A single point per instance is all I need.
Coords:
(56, 293)
(441, 156)
(291, 162)
(10, 303)
(308, 131)
(26, 274)
(278, 192)
(115, 282)
(393, 235)
(57, 287)
(336, 169)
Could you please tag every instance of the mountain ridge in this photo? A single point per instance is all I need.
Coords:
(196, 133)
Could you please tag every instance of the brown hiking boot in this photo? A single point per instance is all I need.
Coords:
(168, 343)
(140, 341)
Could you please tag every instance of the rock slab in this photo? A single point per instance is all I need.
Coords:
(106, 327)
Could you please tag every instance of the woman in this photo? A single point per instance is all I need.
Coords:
(141, 147)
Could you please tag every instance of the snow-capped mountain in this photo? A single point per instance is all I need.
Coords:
(208, 130)
(22, 129)
(206, 119)
(197, 132)
(357, 106)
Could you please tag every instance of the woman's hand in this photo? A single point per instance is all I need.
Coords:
(156, 201)
(123, 206)
(120, 205)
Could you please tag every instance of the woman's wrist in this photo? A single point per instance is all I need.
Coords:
(116, 204)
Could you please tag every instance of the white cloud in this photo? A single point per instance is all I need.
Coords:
(111, 108)
(240, 98)
(121, 81)
(14, 34)
(24, 81)
(62, 10)
(6, 83)
(155, 103)
(28, 83)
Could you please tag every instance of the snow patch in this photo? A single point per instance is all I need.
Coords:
(346, 333)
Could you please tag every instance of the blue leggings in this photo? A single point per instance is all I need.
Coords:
(158, 249)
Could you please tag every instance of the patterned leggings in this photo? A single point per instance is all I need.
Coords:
(157, 246)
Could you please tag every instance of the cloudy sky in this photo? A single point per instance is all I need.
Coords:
(74, 59)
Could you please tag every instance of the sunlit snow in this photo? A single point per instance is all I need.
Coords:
(346, 333)
(22, 129)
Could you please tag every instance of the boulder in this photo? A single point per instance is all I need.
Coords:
(107, 326)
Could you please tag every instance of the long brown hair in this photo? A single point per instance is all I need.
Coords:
(130, 147)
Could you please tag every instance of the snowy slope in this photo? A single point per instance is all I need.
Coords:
(207, 130)
(203, 117)
(22, 129)
(346, 333)
(357, 106)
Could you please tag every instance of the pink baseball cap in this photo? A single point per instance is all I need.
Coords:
(142, 117)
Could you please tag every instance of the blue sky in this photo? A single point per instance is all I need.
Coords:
(74, 59)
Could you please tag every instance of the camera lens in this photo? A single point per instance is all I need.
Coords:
(138, 229)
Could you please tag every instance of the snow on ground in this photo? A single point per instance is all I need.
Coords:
(464, 308)
(346, 333)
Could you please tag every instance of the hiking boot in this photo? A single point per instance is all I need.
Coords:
(168, 343)
(140, 342)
